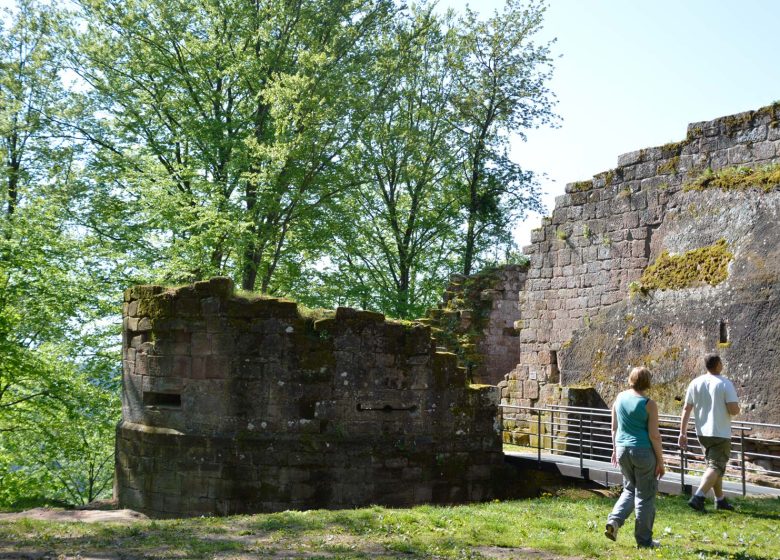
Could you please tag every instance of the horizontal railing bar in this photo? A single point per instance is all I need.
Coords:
(602, 411)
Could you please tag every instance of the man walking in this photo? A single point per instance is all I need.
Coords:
(713, 400)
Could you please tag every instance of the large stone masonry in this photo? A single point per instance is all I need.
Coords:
(235, 405)
(583, 317)
(476, 320)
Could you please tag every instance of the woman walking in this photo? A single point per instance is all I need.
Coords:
(636, 443)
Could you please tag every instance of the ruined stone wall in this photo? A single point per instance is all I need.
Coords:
(476, 321)
(235, 405)
(584, 316)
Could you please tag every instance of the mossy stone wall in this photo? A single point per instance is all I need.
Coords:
(672, 254)
(477, 320)
(238, 405)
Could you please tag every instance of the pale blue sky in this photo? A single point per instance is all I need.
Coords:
(634, 74)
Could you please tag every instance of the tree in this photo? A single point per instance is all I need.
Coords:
(394, 231)
(227, 120)
(48, 275)
(435, 184)
(501, 78)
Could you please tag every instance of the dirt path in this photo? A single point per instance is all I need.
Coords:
(84, 515)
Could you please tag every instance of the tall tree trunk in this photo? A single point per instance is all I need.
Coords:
(468, 253)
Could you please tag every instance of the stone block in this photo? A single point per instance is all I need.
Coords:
(764, 150)
(629, 158)
(740, 155)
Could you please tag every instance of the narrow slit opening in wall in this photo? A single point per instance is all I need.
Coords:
(164, 400)
(723, 332)
(555, 372)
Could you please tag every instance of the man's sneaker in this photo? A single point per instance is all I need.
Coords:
(723, 505)
(651, 544)
(697, 502)
(611, 532)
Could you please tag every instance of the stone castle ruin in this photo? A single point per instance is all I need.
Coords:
(673, 254)
(235, 405)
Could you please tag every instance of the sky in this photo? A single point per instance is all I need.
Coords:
(633, 74)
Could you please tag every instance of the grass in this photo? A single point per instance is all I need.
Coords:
(569, 524)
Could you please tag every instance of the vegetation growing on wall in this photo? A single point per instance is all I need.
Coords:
(460, 323)
(766, 178)
(706, 265)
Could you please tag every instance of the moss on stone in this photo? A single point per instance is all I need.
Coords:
(670, 166)
(673, 149)
(706, 265)
(581, 186)
(766, 178)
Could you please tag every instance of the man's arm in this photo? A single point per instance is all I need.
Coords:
(682, 440)
(732, 399)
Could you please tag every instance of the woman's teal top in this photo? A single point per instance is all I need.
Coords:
(631, 411)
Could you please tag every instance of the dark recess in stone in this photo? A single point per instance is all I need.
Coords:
(164, 400)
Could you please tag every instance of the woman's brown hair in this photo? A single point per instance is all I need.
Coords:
(639, 379)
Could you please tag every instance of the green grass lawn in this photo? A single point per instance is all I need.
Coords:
(570, 525)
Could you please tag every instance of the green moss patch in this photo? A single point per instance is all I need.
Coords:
(581, 186)
(706, 265)
(766, 178)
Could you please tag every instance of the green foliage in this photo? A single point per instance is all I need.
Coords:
(581, 186)
(500, 76)
(227, 122)
(58, 359)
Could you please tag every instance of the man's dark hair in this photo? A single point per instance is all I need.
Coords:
(711, 361)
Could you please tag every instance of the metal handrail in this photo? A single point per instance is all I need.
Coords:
(595, 437)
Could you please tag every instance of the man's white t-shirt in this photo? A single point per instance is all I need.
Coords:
(709, 394)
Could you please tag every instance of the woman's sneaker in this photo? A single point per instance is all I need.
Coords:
(697, 502)
(611, 532)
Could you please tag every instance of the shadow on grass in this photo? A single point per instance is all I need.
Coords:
(742, 555)
(760, 509)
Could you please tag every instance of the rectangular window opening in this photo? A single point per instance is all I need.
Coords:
(164, 400)
(723, 336)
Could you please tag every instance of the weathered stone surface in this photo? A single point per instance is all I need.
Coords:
(578, 294)
(256, 408)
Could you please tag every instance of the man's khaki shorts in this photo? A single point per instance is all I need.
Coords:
(717, 451)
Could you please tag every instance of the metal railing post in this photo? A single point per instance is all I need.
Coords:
(580, 441)
(682, 467)
(539, 439)
(590, 438)
(742, 459)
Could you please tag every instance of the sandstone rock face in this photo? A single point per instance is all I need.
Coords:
(235, 405)
(585, 316)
